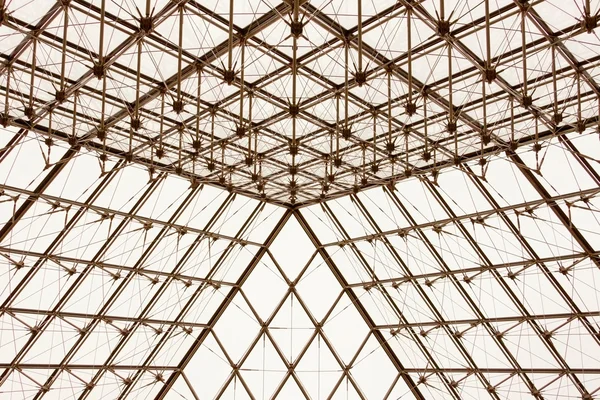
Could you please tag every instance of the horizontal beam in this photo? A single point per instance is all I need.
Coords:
(111, 212)
(493, 320)
(102, 317)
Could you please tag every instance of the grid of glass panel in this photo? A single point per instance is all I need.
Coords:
(325, 199)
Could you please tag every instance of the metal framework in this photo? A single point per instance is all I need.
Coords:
(336, 199)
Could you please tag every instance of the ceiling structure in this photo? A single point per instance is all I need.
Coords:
(300, 199)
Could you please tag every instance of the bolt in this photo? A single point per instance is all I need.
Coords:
(146, 24)
(178, 106)
(296, 28)
(443, 27)
(410, 108)
(360, 77)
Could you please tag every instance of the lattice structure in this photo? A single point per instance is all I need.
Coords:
(336, 199)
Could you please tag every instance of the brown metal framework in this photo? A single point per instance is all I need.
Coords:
(161, 160)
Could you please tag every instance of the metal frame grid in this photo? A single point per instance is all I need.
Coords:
(299, 102)
(434, 164)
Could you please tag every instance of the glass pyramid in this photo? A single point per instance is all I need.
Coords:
(299, 200)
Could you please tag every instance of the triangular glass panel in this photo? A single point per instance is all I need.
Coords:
(292, 249)
(237, 390)
(346, 391)
(290, 390)
(180, 390)
(400, 390)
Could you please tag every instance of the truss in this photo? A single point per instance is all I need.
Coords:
(337, 199)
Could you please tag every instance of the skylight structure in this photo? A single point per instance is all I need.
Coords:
(250, 199)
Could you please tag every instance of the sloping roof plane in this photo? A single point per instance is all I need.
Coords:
(329, 199)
